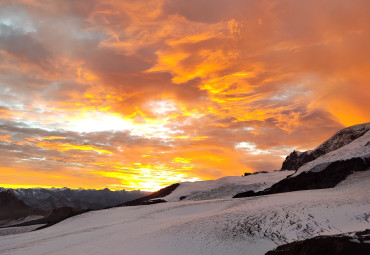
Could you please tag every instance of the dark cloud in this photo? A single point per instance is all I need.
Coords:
(24, 46)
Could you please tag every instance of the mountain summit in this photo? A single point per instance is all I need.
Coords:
(346, 152)
(296, 159)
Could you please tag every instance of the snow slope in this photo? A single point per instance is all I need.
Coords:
(226, 187)
(359, 147)
(220, 226)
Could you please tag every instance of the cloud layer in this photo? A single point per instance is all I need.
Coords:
(141, 94)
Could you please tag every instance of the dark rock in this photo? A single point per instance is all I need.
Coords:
(153, 201)
(249, 193)
(182, 198)
(159, 194)
(367, 161)
(324, 245)
(357, 164)
(330, 174)
(297, 159)
(262, 172)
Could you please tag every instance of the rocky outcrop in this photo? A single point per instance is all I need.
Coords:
(343, 137)
(153, 198)
(296, 159)
(322, 176)
(334, 245)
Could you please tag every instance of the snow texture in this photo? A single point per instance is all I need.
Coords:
(219, 226)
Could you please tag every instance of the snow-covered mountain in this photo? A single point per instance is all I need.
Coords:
(356, 148)
(343, 137)
(329, 169)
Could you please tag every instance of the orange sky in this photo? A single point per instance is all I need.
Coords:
(142, 94)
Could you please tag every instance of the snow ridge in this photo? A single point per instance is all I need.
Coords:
(343, 137)
(225, 187)
(356, 148)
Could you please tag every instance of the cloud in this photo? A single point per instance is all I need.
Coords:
(144, 94)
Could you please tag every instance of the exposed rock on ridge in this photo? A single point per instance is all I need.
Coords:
(335, 245)
(343, 137)
(343, 155)
(330, 174)
(153, 198)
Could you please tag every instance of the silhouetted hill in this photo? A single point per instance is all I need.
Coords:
(49, 199)
(11, 208)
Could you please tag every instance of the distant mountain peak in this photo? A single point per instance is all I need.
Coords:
(296, 159)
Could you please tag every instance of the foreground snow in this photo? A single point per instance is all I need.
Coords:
(220, 226)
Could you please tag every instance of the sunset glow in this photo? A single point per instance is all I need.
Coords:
(143, 94)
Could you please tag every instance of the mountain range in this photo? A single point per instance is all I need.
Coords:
(23, 210)
(87, 199)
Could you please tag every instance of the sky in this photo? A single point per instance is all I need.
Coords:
(140, 94)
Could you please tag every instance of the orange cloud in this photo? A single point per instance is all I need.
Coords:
(143, 94)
